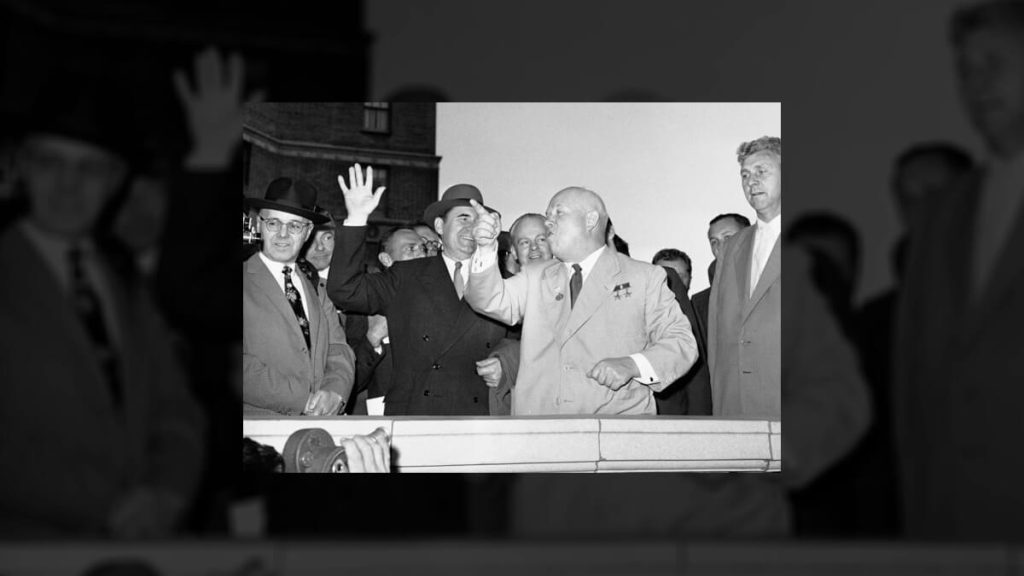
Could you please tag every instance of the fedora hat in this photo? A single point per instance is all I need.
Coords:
(457, 195)
(329, 224)
(293, 196)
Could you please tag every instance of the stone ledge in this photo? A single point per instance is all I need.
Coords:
(546, 444)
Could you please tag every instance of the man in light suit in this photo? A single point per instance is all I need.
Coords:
(598, 340)
(745, 308)
(295, 358)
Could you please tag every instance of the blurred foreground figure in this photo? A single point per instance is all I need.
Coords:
(957, 398)
(100, 436)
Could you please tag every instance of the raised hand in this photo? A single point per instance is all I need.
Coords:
(490, 370)
(215, 108)
(487, 227)
(614, 372)
(360, 198)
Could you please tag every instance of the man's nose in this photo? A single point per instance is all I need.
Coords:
(282, 232)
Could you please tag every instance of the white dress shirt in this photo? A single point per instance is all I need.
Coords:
(449, 262)
(54, 250)
(765, 236)
(1001, 193)
(277, 271)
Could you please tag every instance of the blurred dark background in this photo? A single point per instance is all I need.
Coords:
(860, 83)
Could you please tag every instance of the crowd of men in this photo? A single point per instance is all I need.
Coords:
(558, 321)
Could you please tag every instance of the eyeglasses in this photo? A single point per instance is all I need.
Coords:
(431, 246)
(294, 227)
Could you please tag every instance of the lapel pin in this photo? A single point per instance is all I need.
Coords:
(559, 296)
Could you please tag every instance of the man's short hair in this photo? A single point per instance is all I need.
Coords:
(740, 219)
(512, 228)
(951, 154)
(386, 238)
(769, 143)
(673, 254)
(994, 14)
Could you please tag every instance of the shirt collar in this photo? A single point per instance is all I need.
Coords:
(772, 227)
(277, 267)
(587, 264)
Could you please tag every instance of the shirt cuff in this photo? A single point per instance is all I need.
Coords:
(355, 221)
(484, 258)
(647, 374)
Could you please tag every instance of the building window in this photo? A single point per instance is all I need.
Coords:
(377, 117)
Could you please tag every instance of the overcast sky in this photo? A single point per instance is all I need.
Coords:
(663, 169)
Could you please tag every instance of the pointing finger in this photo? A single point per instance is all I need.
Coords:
(480, 210)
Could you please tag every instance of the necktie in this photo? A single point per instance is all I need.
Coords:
(575, 284)
(295, 299)
(460, 285)
(87, 303)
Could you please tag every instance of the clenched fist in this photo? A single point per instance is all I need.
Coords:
(490, 370)
(614, 372)
(487, 227)
(324, 403)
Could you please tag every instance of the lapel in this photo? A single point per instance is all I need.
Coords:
(51, 307)
(555, 283)
(266, 284)
(1005, 277)
(595, 292)
(956, 247)
(744, 252)
(449, 310)
(313, 305)
(770, 274)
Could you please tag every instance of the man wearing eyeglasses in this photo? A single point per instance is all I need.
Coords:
(295, 358)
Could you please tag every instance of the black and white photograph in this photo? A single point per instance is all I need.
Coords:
(513, 287)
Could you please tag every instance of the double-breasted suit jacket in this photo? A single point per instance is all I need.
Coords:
(436, 338)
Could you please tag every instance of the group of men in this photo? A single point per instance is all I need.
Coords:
(564, 324)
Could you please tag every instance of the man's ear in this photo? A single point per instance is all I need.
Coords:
(439, 226)
(385, 259)
(592, 219)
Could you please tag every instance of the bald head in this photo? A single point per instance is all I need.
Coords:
(576, 219)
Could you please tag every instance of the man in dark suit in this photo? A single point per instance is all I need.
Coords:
(99, 432)
(957, 397)
(720, 229)
(690, 394)
(295, 358)
(435, 337)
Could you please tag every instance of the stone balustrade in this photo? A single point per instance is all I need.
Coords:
(553, 444)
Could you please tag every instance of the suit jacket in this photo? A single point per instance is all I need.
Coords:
(624, 307)
(690, 394)
(279, 373)
(436, 339)
(68, 452)
(700, 302)
(956, 393)
(745, 332)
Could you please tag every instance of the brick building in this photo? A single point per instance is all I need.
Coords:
(319, 141)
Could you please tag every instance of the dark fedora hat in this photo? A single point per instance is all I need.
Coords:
(457, 195)
(329, 224)
(293, 196)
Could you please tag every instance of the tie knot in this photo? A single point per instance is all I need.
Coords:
(287, 270)
(577, 268)
(458, 266)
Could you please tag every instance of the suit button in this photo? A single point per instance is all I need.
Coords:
(476, 400)
(426, 337)
(436, 366)
(488, 345)
(426, 392)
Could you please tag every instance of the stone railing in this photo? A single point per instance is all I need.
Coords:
(553, 444)
(473, 557)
